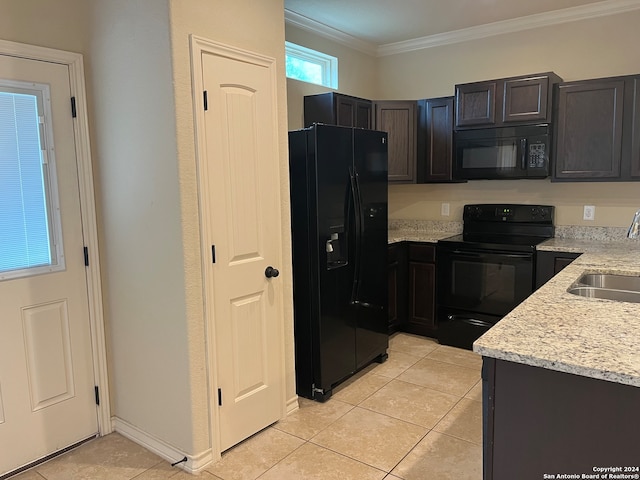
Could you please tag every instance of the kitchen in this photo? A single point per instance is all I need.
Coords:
(433, 72)
(168, 348)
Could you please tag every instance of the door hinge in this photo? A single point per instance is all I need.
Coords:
(97, 392)
(86, 256)
(220, 397)
(213, 254)
(206, 101)
(73, 107)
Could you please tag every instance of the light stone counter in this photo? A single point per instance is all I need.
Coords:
(421, 230)
(556, 330)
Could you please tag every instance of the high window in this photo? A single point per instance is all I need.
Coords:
(311, 66)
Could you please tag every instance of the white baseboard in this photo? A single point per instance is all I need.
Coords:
(292, 405)
(194, 463)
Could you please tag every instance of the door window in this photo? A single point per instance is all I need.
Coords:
(30, 232)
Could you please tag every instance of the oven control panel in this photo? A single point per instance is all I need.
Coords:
(515, 213)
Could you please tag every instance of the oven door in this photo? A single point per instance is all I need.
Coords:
(483, 281)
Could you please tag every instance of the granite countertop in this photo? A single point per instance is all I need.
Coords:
(421, 231)
(556, 330)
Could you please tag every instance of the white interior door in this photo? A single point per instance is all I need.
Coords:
(46, 366)
(241, 217)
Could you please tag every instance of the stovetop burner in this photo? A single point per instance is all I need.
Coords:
(496, 242)
(504, 227)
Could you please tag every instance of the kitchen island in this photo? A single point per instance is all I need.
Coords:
(561, 376)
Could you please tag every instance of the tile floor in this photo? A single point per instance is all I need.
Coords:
(417, 416)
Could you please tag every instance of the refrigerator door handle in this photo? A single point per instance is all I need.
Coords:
(357, 202)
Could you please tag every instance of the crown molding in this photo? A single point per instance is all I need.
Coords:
(555, 17)
(323, 30)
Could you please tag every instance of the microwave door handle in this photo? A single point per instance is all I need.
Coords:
(523, 153)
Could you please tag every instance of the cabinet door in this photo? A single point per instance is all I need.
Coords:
(363, 112)
(476, 104)
(525, 99)
(397, 278)
(345, 111)
(422, 282)
(635, 134)
(550, 263)
(589, 130)
(392, 275)
(398, 119)
(436, 124)
(337, 109)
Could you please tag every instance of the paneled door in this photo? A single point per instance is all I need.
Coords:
(47, 399)
(240, 212)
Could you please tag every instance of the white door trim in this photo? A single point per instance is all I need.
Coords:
(74, 61)
(200, 45)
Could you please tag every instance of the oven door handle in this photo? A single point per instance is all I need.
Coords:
(470, 320)
(484, 254)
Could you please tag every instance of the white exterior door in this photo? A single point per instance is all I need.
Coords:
(46, 366)
(240, 190)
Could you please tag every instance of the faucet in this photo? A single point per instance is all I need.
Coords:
(634, 228)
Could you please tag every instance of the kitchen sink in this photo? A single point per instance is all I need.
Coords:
(595, 292)
(621, 288)
(610, 281)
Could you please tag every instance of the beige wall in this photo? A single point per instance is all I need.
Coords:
(146, 152)
(600, 47)
(155, 387)
(61, 24)
(254, 26)
(357, 73)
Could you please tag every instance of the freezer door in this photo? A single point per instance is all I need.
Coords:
(336, 329)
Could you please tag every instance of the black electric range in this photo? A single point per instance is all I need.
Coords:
(489, 269)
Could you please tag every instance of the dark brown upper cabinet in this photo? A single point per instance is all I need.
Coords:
(435, 140)
(507, 101)
(527, 99)
(597, 131)
(337, 109)
(476, 104)
(399, 118)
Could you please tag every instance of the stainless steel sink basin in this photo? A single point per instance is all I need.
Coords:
(610, 281)
(595, 292)
(621, 288)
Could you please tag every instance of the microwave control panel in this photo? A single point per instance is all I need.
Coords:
(537, 155)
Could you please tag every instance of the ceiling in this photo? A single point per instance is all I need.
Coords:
(382, 26)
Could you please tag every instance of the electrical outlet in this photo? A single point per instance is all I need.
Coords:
(589, 212)
(444, 209)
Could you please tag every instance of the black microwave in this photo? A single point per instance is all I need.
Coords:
(502, 153)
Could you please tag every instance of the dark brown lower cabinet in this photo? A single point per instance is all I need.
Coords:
(397, 275)
(550, 263)
(422, 285)
(538, 421)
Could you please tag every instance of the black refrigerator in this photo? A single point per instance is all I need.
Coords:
(338, 185)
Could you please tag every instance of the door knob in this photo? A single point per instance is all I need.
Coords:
(271, 272)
